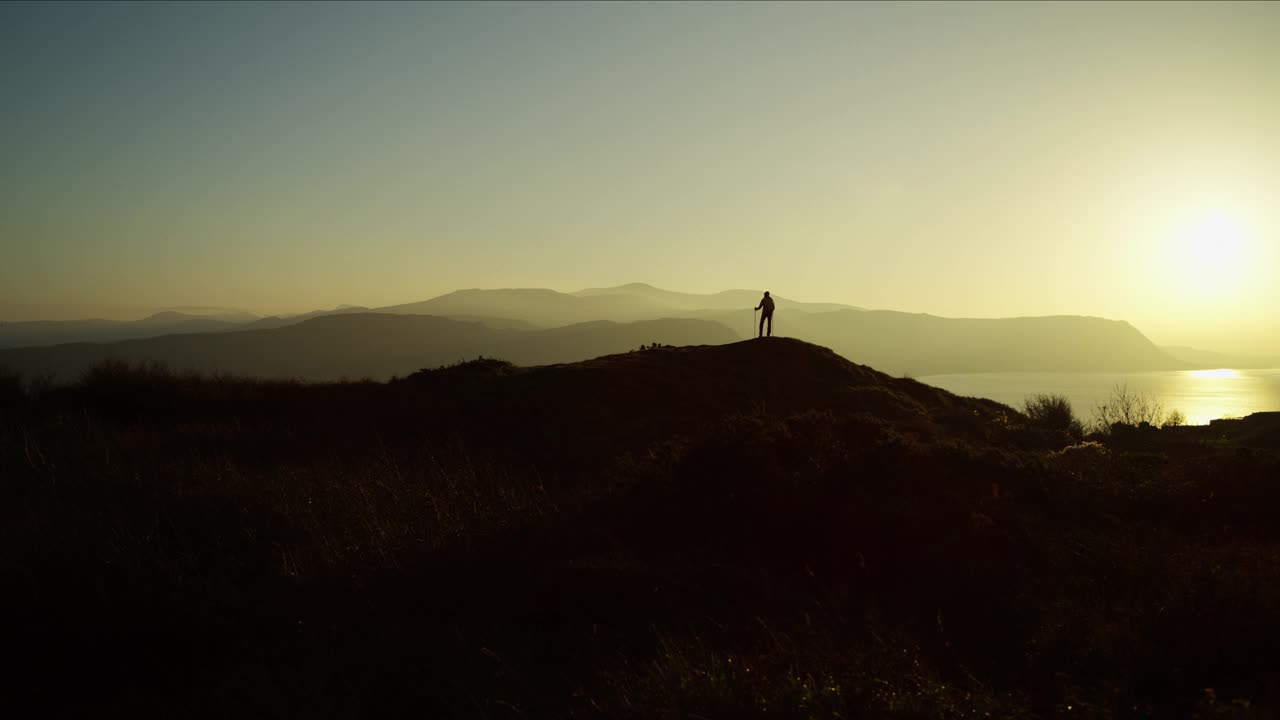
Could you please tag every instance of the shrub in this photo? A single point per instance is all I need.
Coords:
(1052, 413)
(481, 367)
(1130, 408)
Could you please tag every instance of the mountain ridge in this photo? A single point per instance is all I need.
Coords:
(897, 342)
(377, 345)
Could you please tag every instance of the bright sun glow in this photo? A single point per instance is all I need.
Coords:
(1210, 257)
(1215, 242)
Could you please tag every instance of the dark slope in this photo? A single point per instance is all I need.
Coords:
(362, 345)
(771, 374)
(757, 529)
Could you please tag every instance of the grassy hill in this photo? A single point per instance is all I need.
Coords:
(749, 529)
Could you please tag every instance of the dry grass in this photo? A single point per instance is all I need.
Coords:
(215, 546)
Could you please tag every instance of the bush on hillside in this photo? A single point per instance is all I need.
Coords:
(1052, 413)
(1130, 408)
(479, 368)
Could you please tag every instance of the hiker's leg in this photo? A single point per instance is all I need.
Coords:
(762, 317)
(770, 324)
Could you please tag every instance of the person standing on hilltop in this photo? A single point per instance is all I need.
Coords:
(766, 304)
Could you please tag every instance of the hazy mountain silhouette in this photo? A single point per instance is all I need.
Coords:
(1207, 359)
(38, 333)
(376, 345)
(215, 313)
(538, 306)
(276, 321)
(894, 342)
(498, 323)
(166, 318)
(726, 300)
(919, 344)
(624, 303)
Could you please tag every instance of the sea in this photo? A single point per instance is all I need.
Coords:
(1201, 395)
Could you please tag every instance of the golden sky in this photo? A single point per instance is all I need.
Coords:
(966, 160)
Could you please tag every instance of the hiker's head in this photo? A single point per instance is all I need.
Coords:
(766, 293)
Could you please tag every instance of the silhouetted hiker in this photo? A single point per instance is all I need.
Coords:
(766, 304)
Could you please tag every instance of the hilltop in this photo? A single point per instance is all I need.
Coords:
(735, 530)
(620, 402)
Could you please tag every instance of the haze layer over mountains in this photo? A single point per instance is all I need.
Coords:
(540, 326)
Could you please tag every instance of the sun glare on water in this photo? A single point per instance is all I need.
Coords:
(1218, 374)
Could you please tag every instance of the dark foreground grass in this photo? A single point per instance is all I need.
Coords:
(434, 547)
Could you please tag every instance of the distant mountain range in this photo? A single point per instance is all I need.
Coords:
(917, 344)
(532, 326)
(637, 301)
(41, 333)
(54, 332)
(1206, 359)
(357, 345)
(726, 300)
(893, 342)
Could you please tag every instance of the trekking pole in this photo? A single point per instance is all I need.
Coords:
(753, 322)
